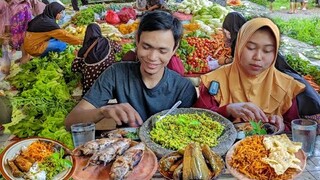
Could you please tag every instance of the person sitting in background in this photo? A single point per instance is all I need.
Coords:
(20, 15)
(251, 88)
(44, 35)
(230, 27)
(97, 53)
(141, 88)
(309, 100)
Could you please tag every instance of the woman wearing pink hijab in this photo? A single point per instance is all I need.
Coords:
(4, 14)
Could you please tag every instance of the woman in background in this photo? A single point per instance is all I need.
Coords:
(44, 35)
(97, 53)
(20, 15)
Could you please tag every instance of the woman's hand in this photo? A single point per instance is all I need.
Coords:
(246, 111)
(122, 113)
(278, 121)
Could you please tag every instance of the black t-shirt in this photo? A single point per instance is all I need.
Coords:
(123, 82)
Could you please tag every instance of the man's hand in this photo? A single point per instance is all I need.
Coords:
(122, 113)
(246, 111)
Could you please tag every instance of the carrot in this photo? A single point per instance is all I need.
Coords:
(38, 151)
(247, 159)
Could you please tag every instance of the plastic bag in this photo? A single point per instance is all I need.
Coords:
(112, 17)
(127, 13)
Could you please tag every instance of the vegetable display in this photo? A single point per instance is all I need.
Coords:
(304, 67)
(86, 16)
(44, 97)
(177, 131)
(128, 28)
(205, 48)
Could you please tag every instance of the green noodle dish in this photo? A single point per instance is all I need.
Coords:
(177, 131)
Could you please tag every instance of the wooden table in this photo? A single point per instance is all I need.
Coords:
(311, 172)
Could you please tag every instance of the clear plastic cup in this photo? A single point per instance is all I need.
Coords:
(305, 131)
(82, 133)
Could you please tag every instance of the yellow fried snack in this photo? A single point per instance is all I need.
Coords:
(282, 153)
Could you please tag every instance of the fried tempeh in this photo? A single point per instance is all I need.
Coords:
(15, 170)
(23, 164)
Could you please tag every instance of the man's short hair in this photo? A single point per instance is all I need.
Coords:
(161, 20)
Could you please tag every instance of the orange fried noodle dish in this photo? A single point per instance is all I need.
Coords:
(38, 151)
(247, 159)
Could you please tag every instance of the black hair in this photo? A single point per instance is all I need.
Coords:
(161, 20)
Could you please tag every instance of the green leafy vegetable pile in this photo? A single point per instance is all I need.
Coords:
(304, 67)
(305, 30)
(44, 99)
(86, 16)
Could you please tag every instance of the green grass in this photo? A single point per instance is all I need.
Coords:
(305, 30)
(68, 2)
(277, 4)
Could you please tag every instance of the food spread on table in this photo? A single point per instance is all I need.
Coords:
(266, 157)
(269, 156)
(177, 131)
(40, 160)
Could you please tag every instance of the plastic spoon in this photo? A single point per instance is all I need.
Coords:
(175, 106)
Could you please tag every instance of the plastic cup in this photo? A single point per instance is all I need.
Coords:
(305, 131)
(82, 133)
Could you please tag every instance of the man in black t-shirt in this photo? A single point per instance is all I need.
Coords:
(141, 88)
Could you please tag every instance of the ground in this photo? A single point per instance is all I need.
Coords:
(283, 14)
